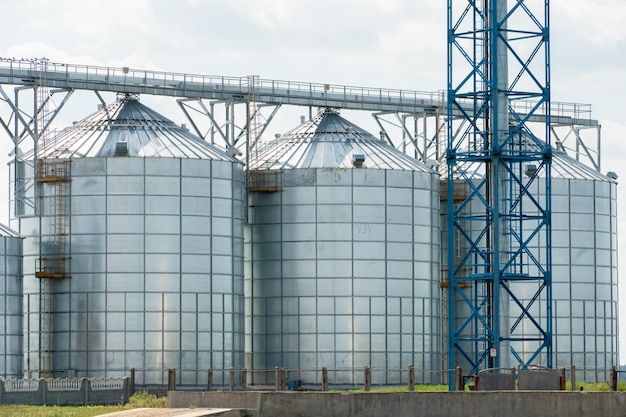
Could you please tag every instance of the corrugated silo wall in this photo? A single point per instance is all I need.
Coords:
(584, 277)
(584, 259)
(342, 271)
(156, 249)
(11, 329)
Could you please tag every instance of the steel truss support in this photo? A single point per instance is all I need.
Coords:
(420, 135)
(26, 124)
(498, 185)
(581, 142)
(230, 135)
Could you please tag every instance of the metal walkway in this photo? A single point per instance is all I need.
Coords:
(238, 89)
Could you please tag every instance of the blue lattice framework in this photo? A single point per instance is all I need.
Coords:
(498, 190)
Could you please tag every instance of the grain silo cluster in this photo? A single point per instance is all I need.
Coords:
(147, 248)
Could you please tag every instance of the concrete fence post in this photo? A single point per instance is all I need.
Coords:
(171, 379)
(367, 378)
(563, 378)
(283, 379)
(324, 379)
(572, 375)
(411, 378)
(231, 379)
(127, 393)
(85, 386)
(44, 391)
(244, 379)
(276, 378)
(209, 383)
(131, 390)
(613, 378)
(458, 379)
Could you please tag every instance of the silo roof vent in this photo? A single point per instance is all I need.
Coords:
(121, 148)
(358, 159)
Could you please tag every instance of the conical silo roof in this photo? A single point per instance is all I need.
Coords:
(563, 167)
(6, 231)
(129, 128)
(330, 141)
(566, 167)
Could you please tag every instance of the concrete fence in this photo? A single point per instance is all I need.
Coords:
(281, 379)
(533, 378)
(65, 391)
(525, 379)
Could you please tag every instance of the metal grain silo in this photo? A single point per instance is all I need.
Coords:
(11, 312)
(342, 256)
(584, 270)
(135, 251)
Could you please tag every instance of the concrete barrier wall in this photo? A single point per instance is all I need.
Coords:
(65, 391)
(546, 379)
(411, 404)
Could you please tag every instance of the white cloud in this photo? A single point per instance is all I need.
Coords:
(602, 21)
(41, 49)
(101, 18)
(389, 44)
(613, 150)
(273, 13)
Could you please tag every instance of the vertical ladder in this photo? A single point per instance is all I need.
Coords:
(56, 174)
(52, 266)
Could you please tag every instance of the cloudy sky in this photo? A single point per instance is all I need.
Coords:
(379, 43)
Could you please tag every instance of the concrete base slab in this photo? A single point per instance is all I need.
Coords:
(411, 404)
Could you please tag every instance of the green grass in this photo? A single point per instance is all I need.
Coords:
(431, 388)
(55, 410)
(139, 400)
(591, 386)
(420, 388)
(586, 386)
(142, 399)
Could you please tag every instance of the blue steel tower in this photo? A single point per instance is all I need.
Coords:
(498, 184)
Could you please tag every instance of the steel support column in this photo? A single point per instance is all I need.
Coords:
(498, 185)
